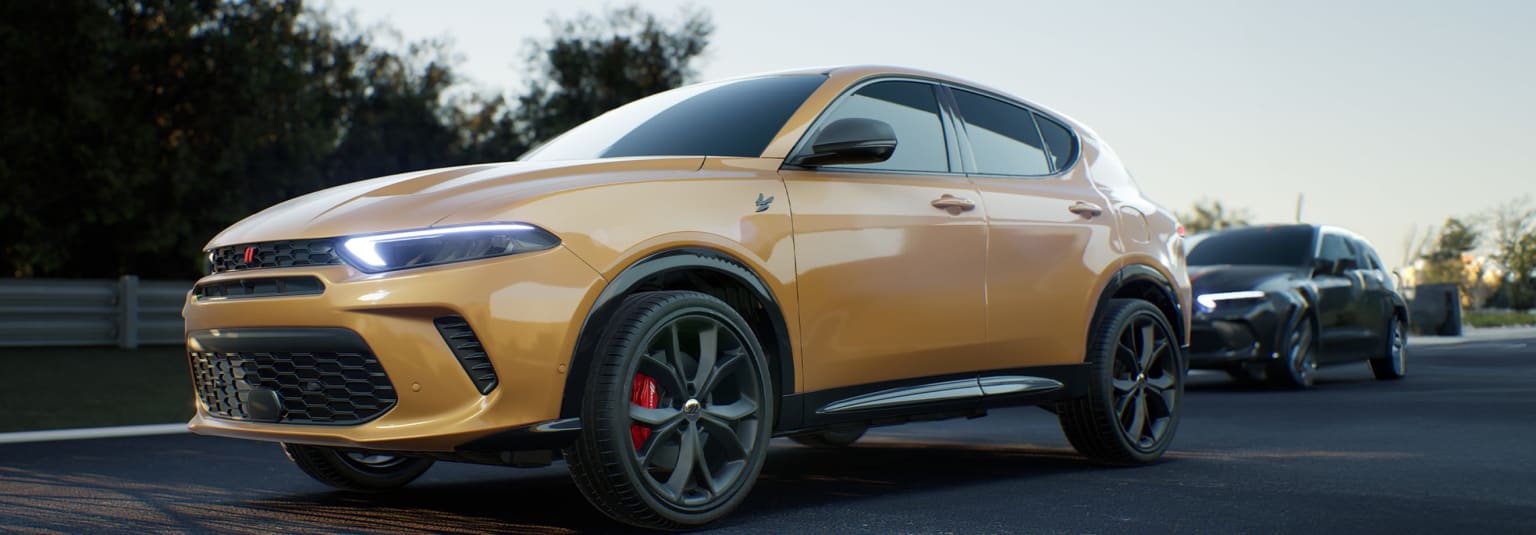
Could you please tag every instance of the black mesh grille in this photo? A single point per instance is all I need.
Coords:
(466, 347)
(334, 388)
(274, 254)
(260, 287)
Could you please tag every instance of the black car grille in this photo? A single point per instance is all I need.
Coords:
(327, 388)
(260, 287)
(275, 254)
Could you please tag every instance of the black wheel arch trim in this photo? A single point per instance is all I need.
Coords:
(678, 259)
(1142, 272)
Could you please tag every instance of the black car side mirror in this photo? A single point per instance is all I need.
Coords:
(1322, 266)
(1344, 265)
(853, 140)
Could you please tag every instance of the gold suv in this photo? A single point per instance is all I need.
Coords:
(660, 291)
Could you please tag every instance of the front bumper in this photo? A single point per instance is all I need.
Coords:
(526, 311)
(1221, 338)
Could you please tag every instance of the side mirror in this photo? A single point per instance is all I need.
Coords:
(1323, 266)
(1344, 265)
(853, 140)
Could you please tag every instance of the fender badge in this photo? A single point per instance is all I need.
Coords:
(762, 203)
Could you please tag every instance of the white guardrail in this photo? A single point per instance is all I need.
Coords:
(126, 312)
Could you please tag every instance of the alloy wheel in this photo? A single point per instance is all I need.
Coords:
(1145, 380)
(695, 408)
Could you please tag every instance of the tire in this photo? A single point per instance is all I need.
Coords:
(1394, 364)
(357, 471)
(677, 413)
(1134, 398)
(840, 437)
(1297, 366)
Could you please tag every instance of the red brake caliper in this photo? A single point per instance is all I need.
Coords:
(645, 396)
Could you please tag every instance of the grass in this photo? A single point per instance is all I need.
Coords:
(1486, 318)
(66, 387)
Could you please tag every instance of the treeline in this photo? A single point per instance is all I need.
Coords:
(135, 130)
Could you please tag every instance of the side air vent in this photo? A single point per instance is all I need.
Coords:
(466, 347)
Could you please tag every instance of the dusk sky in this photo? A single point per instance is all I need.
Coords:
(1387, 116)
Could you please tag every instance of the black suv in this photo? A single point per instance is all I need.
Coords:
(1275, 302)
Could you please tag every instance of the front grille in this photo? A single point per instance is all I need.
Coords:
(260, 287)
(467, 349)
(327, 388)
(275, 254)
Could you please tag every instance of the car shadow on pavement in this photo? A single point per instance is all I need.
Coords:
(794, 477)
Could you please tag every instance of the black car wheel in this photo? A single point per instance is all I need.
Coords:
(1394, 364)
(355, 470)
(1297, 366)
(1132, 409)
(678, 413)
(840, 437)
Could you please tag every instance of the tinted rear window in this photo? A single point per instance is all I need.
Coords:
(735, 118)
(1266, 246)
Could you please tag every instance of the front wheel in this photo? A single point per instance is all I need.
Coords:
(1137, 387)
(356, 471)
(1297, 366)
(677, 415)
(1394, 364)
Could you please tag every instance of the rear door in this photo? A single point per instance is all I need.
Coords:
(891, 285)
(1050, 233)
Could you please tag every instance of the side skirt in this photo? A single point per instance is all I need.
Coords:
(949, 396)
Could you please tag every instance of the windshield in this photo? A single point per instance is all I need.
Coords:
(732, 118)
(1254, 246)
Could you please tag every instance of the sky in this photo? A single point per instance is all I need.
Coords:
(1383, 117)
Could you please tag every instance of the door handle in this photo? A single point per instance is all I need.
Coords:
(952, 204)
(1087, 210)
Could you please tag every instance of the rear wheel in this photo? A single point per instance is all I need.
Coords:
(1132, 409)
(357, 471)
(678, 413)
(1394, 364)
(840, 437)
(1297, 366)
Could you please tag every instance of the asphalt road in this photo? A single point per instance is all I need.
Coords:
(1450, 449)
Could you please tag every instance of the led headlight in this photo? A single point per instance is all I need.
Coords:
(432, 246)
(1209, 302)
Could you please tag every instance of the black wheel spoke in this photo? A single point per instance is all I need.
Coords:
(722, 434)
(654, 417)
(687, 458)
(1148, 347)
(709, 339)
(1138, 418)
(734, 411)
(723, 368)
(676, 350)
(705, 474)
(1124, 404)
(1163, 382)
(670, 379)
(1123, 385)
(659, 436)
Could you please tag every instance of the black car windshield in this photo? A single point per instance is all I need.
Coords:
(730, 118)
(1266, 246)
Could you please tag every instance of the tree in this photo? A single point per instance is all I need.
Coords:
(1447, 262)
(593, 65)
(1514, 234)
(1211, 215)
(136, 129)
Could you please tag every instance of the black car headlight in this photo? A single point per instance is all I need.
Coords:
(1211, 301)
(432, 246)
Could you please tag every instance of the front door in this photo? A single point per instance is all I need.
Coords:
(890, 256)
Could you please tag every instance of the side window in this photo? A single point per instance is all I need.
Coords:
(1060, 146)
(912, 110)
(1004, 138)
(1335, 248)
(1367, 256)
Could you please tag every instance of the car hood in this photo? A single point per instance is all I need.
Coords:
(424, 198)
(1232, 278)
